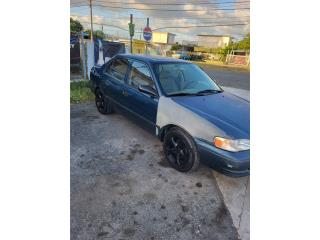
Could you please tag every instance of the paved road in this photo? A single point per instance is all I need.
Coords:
(229, 78)
(122, 187)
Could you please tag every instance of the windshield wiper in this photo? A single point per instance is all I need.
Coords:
(209, 91)
(195, 94)
(181, 94)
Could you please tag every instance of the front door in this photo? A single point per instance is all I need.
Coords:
(141, 105)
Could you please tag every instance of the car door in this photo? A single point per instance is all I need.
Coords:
(143, 106)
(113, 84)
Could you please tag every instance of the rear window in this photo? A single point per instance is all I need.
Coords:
(118, 69)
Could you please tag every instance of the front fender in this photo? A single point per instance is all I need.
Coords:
(172, 113)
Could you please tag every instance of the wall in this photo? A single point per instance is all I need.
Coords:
(213, 41)
(171, 38)
(138, 47)
(160, 37)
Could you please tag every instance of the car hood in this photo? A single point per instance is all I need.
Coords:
(228, 112)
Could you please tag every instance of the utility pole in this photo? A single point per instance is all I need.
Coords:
(131, 34)
(147, 42)
(83, 57)
(91, 20)
(131, 31)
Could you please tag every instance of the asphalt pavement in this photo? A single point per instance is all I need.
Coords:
(229, 78)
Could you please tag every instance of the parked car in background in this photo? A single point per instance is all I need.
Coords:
(196, 56)
(181, 55)
(180, 104)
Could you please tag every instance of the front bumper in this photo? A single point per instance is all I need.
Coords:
(234, 164)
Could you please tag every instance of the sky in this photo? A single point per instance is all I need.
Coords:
(115, 15)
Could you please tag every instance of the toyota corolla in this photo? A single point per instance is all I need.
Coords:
(178, 102)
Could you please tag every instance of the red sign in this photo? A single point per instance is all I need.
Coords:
(147, 33)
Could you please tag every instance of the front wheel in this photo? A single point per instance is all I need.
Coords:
(180, 150)
(103, 104)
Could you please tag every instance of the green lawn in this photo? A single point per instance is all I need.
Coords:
(80, 92)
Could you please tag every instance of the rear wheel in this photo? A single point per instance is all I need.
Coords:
(180, 150)
(103, 104)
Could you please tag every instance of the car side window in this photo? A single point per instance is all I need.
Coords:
(140, 75)
(118, 69)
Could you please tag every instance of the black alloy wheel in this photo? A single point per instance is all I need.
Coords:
(103, 105)
(180, 150)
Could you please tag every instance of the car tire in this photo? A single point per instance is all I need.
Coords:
(103, 105)
(180, 150)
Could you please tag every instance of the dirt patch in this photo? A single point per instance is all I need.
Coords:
(129, 232)
(184, 208)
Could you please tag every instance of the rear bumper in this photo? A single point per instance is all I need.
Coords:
(234, 164)
(92, 86)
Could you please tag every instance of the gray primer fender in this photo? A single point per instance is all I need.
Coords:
(170, 112)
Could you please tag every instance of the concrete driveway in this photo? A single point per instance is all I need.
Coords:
(122, 187)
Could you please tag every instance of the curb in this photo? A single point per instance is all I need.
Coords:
(235, 194)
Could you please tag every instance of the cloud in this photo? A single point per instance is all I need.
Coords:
(159, 19)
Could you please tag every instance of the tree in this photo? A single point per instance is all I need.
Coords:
(75, 26)
(96, 34)
(243, 44)
(99, 34)
(176, 47)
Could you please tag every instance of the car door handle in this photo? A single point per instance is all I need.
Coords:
(125, 93)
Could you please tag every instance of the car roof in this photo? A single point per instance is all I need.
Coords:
(152, 59)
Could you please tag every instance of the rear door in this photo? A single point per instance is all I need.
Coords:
(141, 105)
(113, 84)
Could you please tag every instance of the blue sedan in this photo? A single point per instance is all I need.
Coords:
(179, 103)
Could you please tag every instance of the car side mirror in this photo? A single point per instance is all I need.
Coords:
(148, 90)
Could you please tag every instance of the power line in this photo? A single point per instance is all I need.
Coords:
(202, 26)
(169, 10)
(163, 4)
(170, 18)
(172, 27)
(109, 25)
(174, 4)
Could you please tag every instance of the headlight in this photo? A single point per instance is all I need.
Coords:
(231, 145)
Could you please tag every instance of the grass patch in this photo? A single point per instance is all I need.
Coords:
(80, 92)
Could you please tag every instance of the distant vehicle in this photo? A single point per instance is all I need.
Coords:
(178, 102)
(181, 55)
(196, 56)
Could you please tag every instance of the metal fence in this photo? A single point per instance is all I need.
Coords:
(238, 60)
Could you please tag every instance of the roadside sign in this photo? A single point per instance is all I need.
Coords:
(147, 33)
(131, 29)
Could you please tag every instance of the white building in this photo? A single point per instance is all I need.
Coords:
(213, 41)
(163, 37)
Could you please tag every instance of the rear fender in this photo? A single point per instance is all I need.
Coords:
(95, 77)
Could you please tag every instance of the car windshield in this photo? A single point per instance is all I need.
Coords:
(184, 79)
